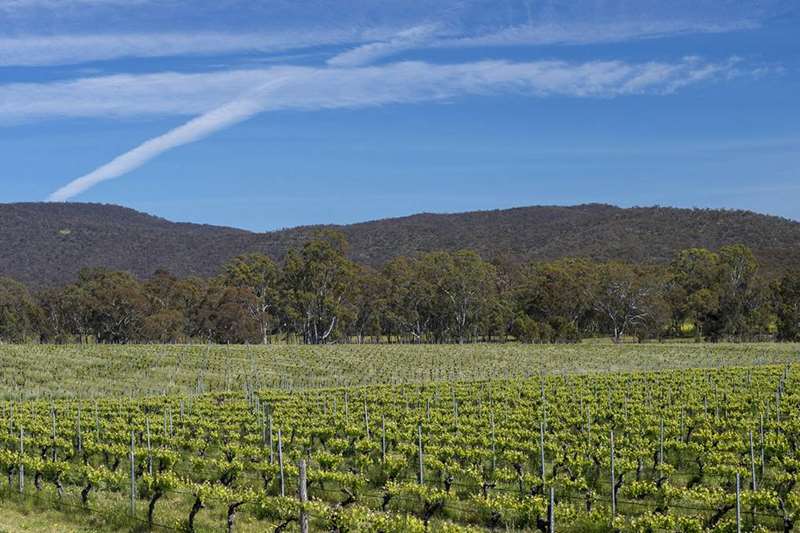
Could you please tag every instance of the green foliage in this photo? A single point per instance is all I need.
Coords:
(20, 317)
(786, 293)
(318, 280)
(319, 296)
(211, 458)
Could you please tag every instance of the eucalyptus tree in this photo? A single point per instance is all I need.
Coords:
(222, 315)
(466, 286)
(113, 304)
(369, 297)
(693, 290)
(409, 300)
(741, 314)
(20, 316)
(317, 281)
(259, 275)
(628, 299)
(786, 301)
(559, 293)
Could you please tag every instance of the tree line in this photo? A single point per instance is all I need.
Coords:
(317, 295)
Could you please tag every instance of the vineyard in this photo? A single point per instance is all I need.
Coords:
(89, 371)
(437, 438)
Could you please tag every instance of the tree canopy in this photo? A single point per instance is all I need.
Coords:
(318, 295)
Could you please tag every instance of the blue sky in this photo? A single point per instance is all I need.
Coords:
(267, 114)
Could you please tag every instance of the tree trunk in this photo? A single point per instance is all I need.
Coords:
(85, 493)
(151, 507)
(198, 505)
(232, 508)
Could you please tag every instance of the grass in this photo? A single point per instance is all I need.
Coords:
(19, 515)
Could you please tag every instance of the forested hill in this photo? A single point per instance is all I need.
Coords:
(48, 243)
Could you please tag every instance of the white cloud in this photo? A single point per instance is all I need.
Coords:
(35, 50)
(314, 88)
(202, 126)
(310, 88)
(415, 37)
(576, 33)
(369, 43)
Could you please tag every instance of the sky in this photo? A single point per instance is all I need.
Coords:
(264, 114)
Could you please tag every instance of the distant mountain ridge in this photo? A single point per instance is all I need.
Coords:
(46, 244)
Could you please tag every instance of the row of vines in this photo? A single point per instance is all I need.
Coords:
(642, 451)
(80, 371)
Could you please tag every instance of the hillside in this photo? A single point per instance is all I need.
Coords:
(48, 243)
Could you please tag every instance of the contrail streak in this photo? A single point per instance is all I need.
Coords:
(311, 88)
(197, 128)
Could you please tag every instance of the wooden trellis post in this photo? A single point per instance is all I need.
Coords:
(303, 492)
(21, 463)
(132, 459)
(271, 443)
(494, 452)
(753, 484)
(53, 420)
(762, 445)
(421, 456)
(149, 448)
(541, 450)
(738, 505)
(383, 438)
(78, 435)
(613, 479)
(366, 419)
(280, 462)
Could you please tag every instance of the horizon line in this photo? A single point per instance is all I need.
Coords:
(278, 229)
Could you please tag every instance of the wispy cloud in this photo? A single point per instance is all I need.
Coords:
(315, 88)
(202, 126)
(367, 45)
(579, 32)
(33, 50)
(322, 88)
(415, 37)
